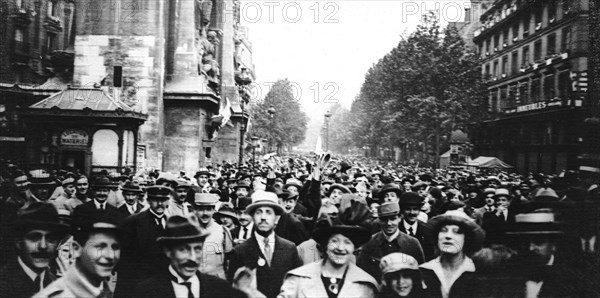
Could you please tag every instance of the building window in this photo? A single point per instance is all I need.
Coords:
(551, 44)
(537, 50)
(19, 4)
(105, 148)
(50, 42)
(515, 32)
(19, 41)
(505, 38)
(566, 6)
(494, 101)
(525, 55)
(523, 93)
(551, 11)
(489, 47)
(504, 66)
(514, 62)
(564, 85)
(565, 43)
(486, 74)
(495, 69)
(526, 25)
(497, 43)
(538, 19)
(52, 8)
(511, 96)
(503, 98)
(535, 90)
(549, 88)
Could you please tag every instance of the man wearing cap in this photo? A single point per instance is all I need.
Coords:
(178, 204)
(38, 231)
(202, 179)
(132, 194)
(219, 243)
(410, 207)
(387, 241)
(183, 244)
(271, 255)
(97, 249)
(69, 189)
(496, 223)
(142, 256)
(546, 272)
(489, 207)
(101, 189)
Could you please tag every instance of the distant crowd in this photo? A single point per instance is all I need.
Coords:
(299, 226)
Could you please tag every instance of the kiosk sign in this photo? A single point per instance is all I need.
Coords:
(74, 137)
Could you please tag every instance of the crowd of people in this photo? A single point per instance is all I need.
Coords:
(299, 226)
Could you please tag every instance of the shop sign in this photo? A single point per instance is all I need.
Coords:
(74, 137)
(141, 157)
(535, 106)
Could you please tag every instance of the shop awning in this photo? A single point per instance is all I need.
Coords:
(489, 162)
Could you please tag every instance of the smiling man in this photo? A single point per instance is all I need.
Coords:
(97, 249)
(271, 255)
(183, 244)
(101, 188)
(410, 207)
(38, 231)
(388, 241)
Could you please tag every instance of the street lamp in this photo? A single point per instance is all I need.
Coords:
(254, 145)
(327, 116)
(271, 112)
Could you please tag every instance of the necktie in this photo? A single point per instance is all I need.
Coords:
(587, 246)
(410, 231)
(160, 221)
(267, 251)
(38, 282)
(101, 206)
(245, 233)
(187, 284)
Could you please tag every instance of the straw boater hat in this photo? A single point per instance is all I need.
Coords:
(460, 218)
(182, 229)
(205, 199)
(264, 199)
(539, 222)
(41, 178)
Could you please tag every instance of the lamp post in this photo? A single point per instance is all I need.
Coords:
(254, 145)
(327, 116)
(271, 112)
(242, 133)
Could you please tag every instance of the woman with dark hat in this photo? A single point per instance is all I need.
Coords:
(452, 273)
(336, 275)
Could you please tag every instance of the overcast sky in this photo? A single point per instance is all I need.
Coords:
(325, 47)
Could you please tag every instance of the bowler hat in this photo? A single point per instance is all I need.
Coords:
(99, 182)
(243, 203)
(40, 215)
(158, 192)
(129, 187)
(411, 199)
(205, 199)
(242, 184)
(388, 209)
(182, 229)
(264, 199)
(460, 218)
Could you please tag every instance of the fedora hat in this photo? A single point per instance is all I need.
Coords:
(411, 199)
(182, 183)
(129, 187)
(205, 199)
(286, 196)
(242, 184)
(158, 192)
(263, 198)
(91, 221)
(99, 182)
(40, 215)
(293, 182)
(182, 229)
(540, 221)
(460, 218)
(357, 234)
(388, 209)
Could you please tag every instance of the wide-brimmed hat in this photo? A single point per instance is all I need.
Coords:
(502, 192)
(460, 218)
(40, 215)
(489, 190)
(242, 184)
(293, 182)
(129, 187)
(182, 229)
(357, 234)
(411, 199)
(388, 209)
(397, 261)
(99, 182)
(539, 222)
(205, 199)
(40, 178)
(202, 171)
(227, 211)
(158, 192)
(263, 198)
(90, 221)
(341, 187)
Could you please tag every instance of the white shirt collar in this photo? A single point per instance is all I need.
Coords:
(413, 226)
(131, 208)
(182, 290)
(98, 204)
(155, 215)
(392, 237)
(261, 240)
(249, 233)
(32, 274)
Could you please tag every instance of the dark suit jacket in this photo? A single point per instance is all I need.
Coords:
(15, 283)
(123, 209)
(291, 228)
(83, 211)
(160, 286)
(378, 247)
(142, 257)
(425, 239)
(269, 278)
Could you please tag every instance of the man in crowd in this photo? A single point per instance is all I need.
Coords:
(183, 244)
(410, 207)
(101, 189)
(219, 243)
(179, 205)
(390, 193)
(81, 193)
(387, 241)
(97, 248)
(41, 185)
(489, 206)
(271, 255)
(243, 232)
(38, 232)
(202, 179)
(133, 195)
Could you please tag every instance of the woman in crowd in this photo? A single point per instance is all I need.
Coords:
(401, 276)
(452, 273)
(336, 275)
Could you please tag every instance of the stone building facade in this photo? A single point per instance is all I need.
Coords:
(534, 56)
(178, 62)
